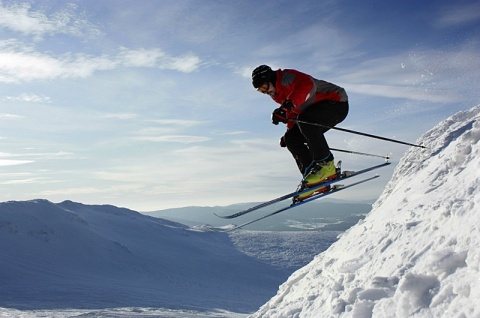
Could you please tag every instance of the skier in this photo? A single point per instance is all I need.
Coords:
(311, 101)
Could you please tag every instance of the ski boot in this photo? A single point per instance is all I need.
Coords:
(320, 173)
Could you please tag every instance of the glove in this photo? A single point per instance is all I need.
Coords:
(282, 142)
(288, 105)
(279, 115)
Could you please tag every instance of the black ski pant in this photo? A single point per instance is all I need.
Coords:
(307, 142)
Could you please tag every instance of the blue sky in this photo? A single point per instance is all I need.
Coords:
(149, 104)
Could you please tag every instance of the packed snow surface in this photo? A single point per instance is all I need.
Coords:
(417, 253)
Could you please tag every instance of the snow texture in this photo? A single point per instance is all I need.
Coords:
(69, 255)
(417, 253)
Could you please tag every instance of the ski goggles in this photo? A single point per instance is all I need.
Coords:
(263, 88)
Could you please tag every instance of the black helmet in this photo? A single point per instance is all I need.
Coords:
(261, 75)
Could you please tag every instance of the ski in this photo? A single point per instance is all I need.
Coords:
(333, 190)
(343, 176)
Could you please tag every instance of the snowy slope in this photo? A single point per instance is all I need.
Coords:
(417, 254)
(69, 255)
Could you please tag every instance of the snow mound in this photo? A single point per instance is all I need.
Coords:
(417, 253)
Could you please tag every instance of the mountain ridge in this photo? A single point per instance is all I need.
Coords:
(69, 254)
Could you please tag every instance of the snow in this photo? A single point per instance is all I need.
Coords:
(67, 259)
(417, 253)
(289, 250)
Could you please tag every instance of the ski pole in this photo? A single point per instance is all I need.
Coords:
(359, 133)
(387, 157)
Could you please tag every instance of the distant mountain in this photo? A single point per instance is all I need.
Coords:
(70, 255)
(317, 215)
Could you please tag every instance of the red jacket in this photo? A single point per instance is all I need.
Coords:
(303, 91)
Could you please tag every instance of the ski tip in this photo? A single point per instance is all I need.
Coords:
(222, 216)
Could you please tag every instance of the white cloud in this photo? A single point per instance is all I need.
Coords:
(177, 122)
(436, 76)
(21, 63)
(245, 72)
(229, 133)
(157, 58)
(23, 19)
(171, 131)
(127, 188)
(140, 58)
(16, 66)
(121, 116)
(21, 181)
(38, 156)
(10, 162)
(9, 116)
(186, 64)
(414, 93)
(29, 98)
(185, 139)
